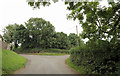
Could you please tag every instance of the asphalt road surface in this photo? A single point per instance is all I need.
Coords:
(38, 64)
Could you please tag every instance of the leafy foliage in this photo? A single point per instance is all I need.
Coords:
(38, 33)
(36, 4)
(98, 56)
(73, 39)
(101, 25)
(97, 21)
(39, 50)
(14, 34)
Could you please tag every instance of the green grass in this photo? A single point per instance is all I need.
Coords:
(11, 61)
(46, 53)
(79, 69)
(0, 62)
(52, 54)
(53, 50)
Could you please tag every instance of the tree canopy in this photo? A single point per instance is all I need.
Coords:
(37, 33)
(96, 21)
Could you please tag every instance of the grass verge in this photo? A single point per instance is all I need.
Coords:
(79, 69)
(51, 54)
(11, 61)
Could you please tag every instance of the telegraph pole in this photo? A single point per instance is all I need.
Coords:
(76, 30)
(77, 35)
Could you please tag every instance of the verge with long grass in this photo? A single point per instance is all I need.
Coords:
(79, 69)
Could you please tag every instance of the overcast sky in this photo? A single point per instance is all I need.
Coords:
(18, 11)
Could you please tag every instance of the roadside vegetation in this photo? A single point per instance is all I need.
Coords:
(79, 69)
(52, 54)
(11, 61)
(38, 35)
(98, 57)
(39, 50)
(49, 54)
(101, 26)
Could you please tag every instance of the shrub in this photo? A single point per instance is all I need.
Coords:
(99, 56)
(39, 50)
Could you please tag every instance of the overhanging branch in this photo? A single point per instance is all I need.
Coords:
(115, 25)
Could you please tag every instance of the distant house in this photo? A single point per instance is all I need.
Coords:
(3, 45)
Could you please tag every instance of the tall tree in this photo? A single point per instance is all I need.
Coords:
(14, 34)
(40, 32)
(73, 39)
(97, 21)
(62, 40)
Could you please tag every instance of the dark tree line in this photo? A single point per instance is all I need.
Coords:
(38, 33)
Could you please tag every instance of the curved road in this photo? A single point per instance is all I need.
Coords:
(38, 64)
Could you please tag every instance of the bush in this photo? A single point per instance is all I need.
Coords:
(39, 50)
(100, 57)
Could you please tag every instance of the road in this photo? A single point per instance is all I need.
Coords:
(38, 64)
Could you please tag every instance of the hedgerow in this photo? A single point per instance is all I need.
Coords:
(39, 50)
(98, 56)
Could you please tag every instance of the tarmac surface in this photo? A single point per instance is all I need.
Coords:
(39, 64)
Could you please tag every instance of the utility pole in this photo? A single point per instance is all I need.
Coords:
(76, 30)
(78, 43)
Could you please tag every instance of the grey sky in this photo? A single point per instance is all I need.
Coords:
(18, 11)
